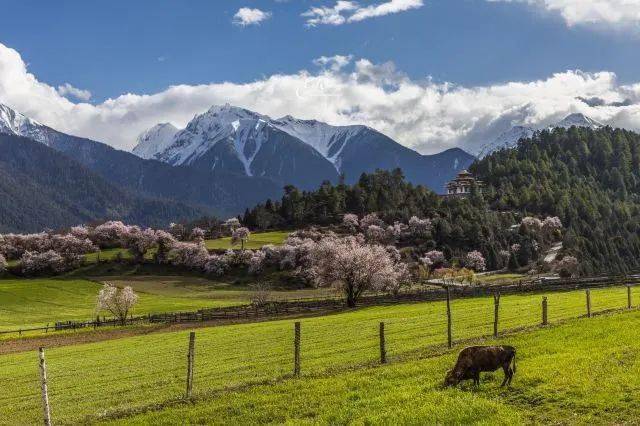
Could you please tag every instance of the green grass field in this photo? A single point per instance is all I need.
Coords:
(583, 372)
(34, 303)
(256, 241)
(109, 379)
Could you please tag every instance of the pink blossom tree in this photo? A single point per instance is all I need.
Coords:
(189, 255)
(117, 301)
(240, 236)
(139, 242)
(197, 234)
(420, 228)
(109, 234)
(552, 227)
(350, 222)
(48, 262)
(216, 265)
(567, 267)
(474, 260)
(165, 242)
(3, 264)
(352, 267)
(257, 262)
(369, 220)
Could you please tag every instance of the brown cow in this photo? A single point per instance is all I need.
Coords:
(474, 359)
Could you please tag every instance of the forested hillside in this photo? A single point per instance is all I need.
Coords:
(41, 188)
(458, 224)
(588, 178)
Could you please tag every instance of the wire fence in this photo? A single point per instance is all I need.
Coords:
(116, 378)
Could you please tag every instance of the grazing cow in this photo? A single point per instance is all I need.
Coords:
(474, 359)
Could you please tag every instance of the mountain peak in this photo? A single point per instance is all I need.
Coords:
(155, 140)
(13, 122)
(578, 120)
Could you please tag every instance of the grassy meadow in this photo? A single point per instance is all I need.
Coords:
(28, 303)
(256, 241)
(111, 380)
(586, 371)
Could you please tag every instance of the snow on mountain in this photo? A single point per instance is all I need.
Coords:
(156, 139)
(578, 120)
(240, 127)
(295, 151)
(510, 138)
(326, 139)
(15, 123)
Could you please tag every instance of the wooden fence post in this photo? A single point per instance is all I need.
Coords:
(383, 348)
(544, 311)
(46, 411)
(296, 349)
(629, 305)
(449, 333)
(496, 309)
(588, 292)
(190, 359)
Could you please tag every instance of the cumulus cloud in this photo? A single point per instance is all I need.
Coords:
(68, 90)
(246, 16)
(345, 12)
(423, 114)
(604, 12)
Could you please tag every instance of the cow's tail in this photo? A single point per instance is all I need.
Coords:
(514, 361)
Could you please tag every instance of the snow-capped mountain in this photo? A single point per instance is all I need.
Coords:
(14, 123)
(156, 139)
(577, 120)
(220, 192)
(326, 139)
(294, 151)
(510, 138)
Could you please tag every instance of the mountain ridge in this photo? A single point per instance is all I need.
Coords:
(230, 137)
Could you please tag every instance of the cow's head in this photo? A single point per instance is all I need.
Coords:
(452, 378)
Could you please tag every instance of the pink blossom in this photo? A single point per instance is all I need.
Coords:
(353, 267)
(197, 234)
(3, 264)
(350, 222)
(567, 267)
(189, 255)
(46, 262)
(474, 260)
(420, 228)
(117, 301)
(240, 236)
(369, 220)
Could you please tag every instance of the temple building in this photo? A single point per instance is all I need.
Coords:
(461, 185)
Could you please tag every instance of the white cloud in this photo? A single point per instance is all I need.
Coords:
(344, 12)
(68, 90)
(246, 16)
(334, 63)
(421, 114)
(611, 13)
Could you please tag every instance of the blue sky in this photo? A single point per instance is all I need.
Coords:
(432, 74)
(143, 46)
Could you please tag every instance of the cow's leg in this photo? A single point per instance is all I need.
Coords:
(476, 378)
(510, 376)
(507, 375)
